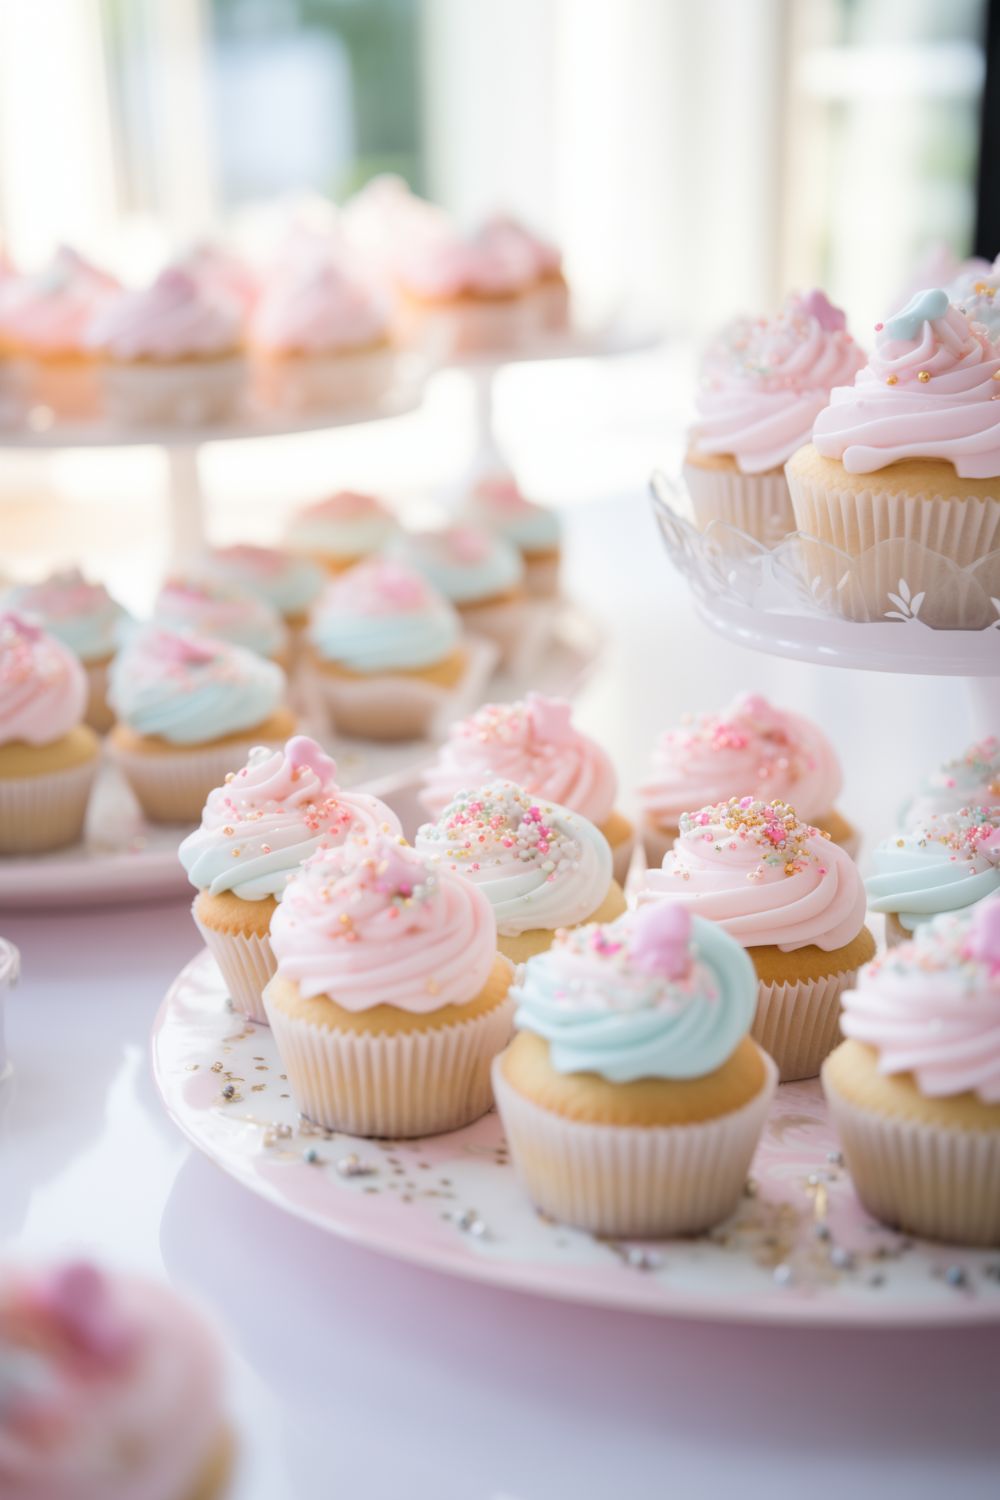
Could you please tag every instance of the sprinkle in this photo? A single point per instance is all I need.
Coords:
(892, 380)
(923, 376)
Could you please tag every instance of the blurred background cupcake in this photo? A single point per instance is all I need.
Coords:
(970, 780)
(497, 503)
(480, 573)
(342, 529)
(196, 603)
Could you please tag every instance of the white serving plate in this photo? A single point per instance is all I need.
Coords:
(799, 1250)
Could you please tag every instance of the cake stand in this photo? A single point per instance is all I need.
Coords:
(773, 599)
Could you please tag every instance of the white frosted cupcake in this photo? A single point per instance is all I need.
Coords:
(197, 604)
(390, 1000)
(970, 780)
(541, 867)
(344, 529)
(946, 863)
(256, 830)
(632, 1097)
(914, 1091)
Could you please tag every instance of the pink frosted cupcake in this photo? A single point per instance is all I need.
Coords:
(197, 604)
(48, 756)
(534, 744)
(497, 503)
(793, 898)
(550, 296)
(914, 1091)
(468, 293)
(257, 829)
(43, 325)
(390, 1000)
(751, 748)
(761, 392)
(112, 1390)
(341, 530)
(171, 353)
(222, 273)
(320, 339)
(902, 478)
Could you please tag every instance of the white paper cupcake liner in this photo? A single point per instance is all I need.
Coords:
(246, 963)
(172, 787)
(632, 1181)
(408, 1084)
(899, 547)
(323, 382)
(758, 504)
(928, 1180)
(182, 393)
(45, 812)
(799, 1023)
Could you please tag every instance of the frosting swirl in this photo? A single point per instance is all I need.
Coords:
(971, 780)
(532, 743)
(347, 524)
(288, 584)
(497, 502)
(946, 863)
(381, 617)
(465, 563)
(765, 382)
(189, 690)
(750, 748)
(271, 816)
(178, 316)
(43, 688)
(655, 994)
(539, 865)
(490, 262)
(926, 392)
(82, 615)
(374, 923)
(976, 292)
(197, 603)
(763, 875)
(315, 305)
(931, 1007)
(51, 311)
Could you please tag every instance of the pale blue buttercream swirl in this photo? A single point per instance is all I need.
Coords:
(82, 615)
(948, 863)
(189, 690)
(289, 584)
(465, 564)
(381, 617)
(601, 1013)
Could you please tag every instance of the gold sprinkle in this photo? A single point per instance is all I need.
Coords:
(892, 380)
(923, 376)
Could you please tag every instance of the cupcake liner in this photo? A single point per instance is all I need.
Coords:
(181, 393)
(246, 963)
(467, 325)
(323, 382)
(632, 1181)
(758, 504)
(928, 1180)
(45, 812)
(799, 1023)
(541, 575)
(98, 715)
(519, 628)
(172, 786)
(899, 547)
(405, 1084)
(69, 387)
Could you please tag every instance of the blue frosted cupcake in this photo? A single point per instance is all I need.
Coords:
(497, 503)
(482, 574)
(948, 862)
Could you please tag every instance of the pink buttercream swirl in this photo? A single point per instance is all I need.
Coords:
(221, 610)
(376, 924)
(763, 875)
(175, 318)
(532, 743)
(767, 382)
(379, 587)
(928, 391)
(43, 687)
(750, 748)
(491, 262)
(315, 305)
(347, 505)
(931, 1007)
(52, 311)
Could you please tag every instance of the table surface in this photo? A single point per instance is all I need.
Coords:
(355, 1375)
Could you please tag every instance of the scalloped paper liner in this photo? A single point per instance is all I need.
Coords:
(799, 1024)
(925, 1179)
(246, 963)
(172, 787)
(899, 539)
(303, 382)
(38, 813)
(758, 504)
(179, 393)
(397, 707)
(407, 1084)
(632, 1181)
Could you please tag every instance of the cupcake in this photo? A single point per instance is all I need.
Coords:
(793, 898)
(534, 744)
(197, 604)
(947, 862)
(171, 353)
(112, 1390)
(497, 503)
(390, 1000)
(632, 1097)
(257, 828)
(762, 389)
(902, 477)
(189, 710)
(319, 336)
(467, 293)
(341, 530)
(971, 780)
(384, 220)
(85, 618)
(541, 867)
(549, 295)
(385, 651)
(43, 323)
(222, 273)
(914, 1091)
(287, 584)
(480, 573)
(48, 756)
(751, 748)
